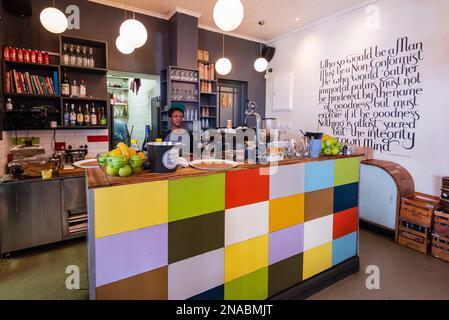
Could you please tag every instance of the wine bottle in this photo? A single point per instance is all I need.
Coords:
(87, 119)
(93, 116)
(65, 55)
(103, 120)
(72, 56)
(66, 115)
(147, 137)
(72, 116)
(65, 86)
(80, 117)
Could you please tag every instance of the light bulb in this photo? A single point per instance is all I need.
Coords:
(261, 65)
(223, 66)
(134, 32)
(123, 46)
(228, 14)
(54, 20)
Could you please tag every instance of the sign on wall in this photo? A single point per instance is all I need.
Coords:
(372, 99)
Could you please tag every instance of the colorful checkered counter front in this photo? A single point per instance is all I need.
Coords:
(241, 234)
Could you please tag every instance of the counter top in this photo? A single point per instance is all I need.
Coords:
(67, 174)
(97, 178)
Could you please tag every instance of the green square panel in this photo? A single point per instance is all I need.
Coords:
(347, 171)
(191, 197)
(253, 286)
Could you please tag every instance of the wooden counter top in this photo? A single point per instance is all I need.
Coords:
(97, 178)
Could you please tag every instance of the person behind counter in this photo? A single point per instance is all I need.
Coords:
(177, 132)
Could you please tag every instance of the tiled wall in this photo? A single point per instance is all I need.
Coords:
(234, 235)
(5, 145)
(140, 108)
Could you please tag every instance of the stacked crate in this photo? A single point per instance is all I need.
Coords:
(440, 232)
(415, 221)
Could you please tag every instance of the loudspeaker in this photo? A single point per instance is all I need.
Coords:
(268, 53)
(21, 8)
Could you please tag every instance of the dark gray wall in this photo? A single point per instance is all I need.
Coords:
(183, 41)
(242, 54)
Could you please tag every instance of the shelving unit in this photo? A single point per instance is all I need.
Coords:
(120, 110)
(26, 114)
(208, 94)
(173, 84)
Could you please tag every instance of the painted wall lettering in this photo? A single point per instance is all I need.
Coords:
(372, 99)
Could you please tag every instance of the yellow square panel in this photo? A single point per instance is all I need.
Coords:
(286, 212)
(245, 257)
(131, 207)
(317, 260)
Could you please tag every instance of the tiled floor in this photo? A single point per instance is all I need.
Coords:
(404, 273)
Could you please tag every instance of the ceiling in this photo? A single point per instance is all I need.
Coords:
(280, 16)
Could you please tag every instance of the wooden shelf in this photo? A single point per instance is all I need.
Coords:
(209, 93)
(24, 95)
(212, 81)
(83, 127)
(120, 104)
(84, 99)
(31, 65)
(206, 62)
(84, 69)
(31, 112)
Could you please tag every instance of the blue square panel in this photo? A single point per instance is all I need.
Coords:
(346, 197)
(344, 248)
(319, 175)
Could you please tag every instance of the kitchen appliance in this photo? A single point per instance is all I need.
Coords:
(74, 155)
(22, 152)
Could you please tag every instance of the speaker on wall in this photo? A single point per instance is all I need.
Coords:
(21, 8)
(268, 53)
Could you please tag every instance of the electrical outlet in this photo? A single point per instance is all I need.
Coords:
(60, 146)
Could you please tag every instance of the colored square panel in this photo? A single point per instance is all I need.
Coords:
(287, 180)
(246, 187)
(190, 237)
(346, 197)
(128, 254)
(286, 212)
(216, 293)
(196, 275)
(344, 248)
(345, 222)
(120, 209)
(285, 274)
(318, 204)
(319, 175)
(346, 171)
(318, 232)
(253, 286)
(190, 197)
(246, 257)
(151, 285)
(285, 243)
(247, 222)
(317, 260)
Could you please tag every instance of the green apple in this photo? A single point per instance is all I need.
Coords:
(327, 151)
(135, 161)
(125, 171)
(335, 151)
(137, 170)
(111, 170)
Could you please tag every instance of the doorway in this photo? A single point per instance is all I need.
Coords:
(134, 100)
(231, 102)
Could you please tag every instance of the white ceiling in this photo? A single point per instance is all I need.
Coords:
(279, 15)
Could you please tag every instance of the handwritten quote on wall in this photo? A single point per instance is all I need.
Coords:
(371, 99)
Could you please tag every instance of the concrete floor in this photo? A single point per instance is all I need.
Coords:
(404, 274)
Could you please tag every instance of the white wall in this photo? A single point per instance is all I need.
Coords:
(140, 107)
(422, 21)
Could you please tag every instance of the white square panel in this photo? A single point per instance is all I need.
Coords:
(318, 232)
(287, 180)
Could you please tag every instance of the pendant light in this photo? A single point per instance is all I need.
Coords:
(123, 46)
(223, 65)
(54, 20)
(228, 14)
(261, 64)
(134, 32)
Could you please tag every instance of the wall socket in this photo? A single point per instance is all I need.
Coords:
(60, 146)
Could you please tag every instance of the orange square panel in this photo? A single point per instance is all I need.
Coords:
(246, 187)
(345, 222)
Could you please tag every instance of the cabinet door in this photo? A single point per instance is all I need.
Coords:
(74, 207)
(35, 218)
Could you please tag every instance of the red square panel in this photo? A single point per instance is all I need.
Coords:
(246, 187)
(97, 138)
(345, 222)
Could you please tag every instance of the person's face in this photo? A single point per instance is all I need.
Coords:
(177, 119)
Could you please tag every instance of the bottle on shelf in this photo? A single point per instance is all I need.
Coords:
(27, 56)
(6, 51)
(103, 121)
(20, 55)
(65, 55)
(72, 115)
(40, 57)
(87, 119)
(93, 116)
(80, 117)
(79, 58)
(46, 58)
(72, 56)
(147, 137)
(65, 86)
(98, 116)
(85, 58)
(74, 89)
(66, 115)
(83, 91)
(90, 59)
(9, 106)
(33, 56)
(13, 54)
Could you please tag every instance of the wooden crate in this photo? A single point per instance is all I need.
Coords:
(408, 236)
(418, 208)
(441, 222)
(440, 247)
